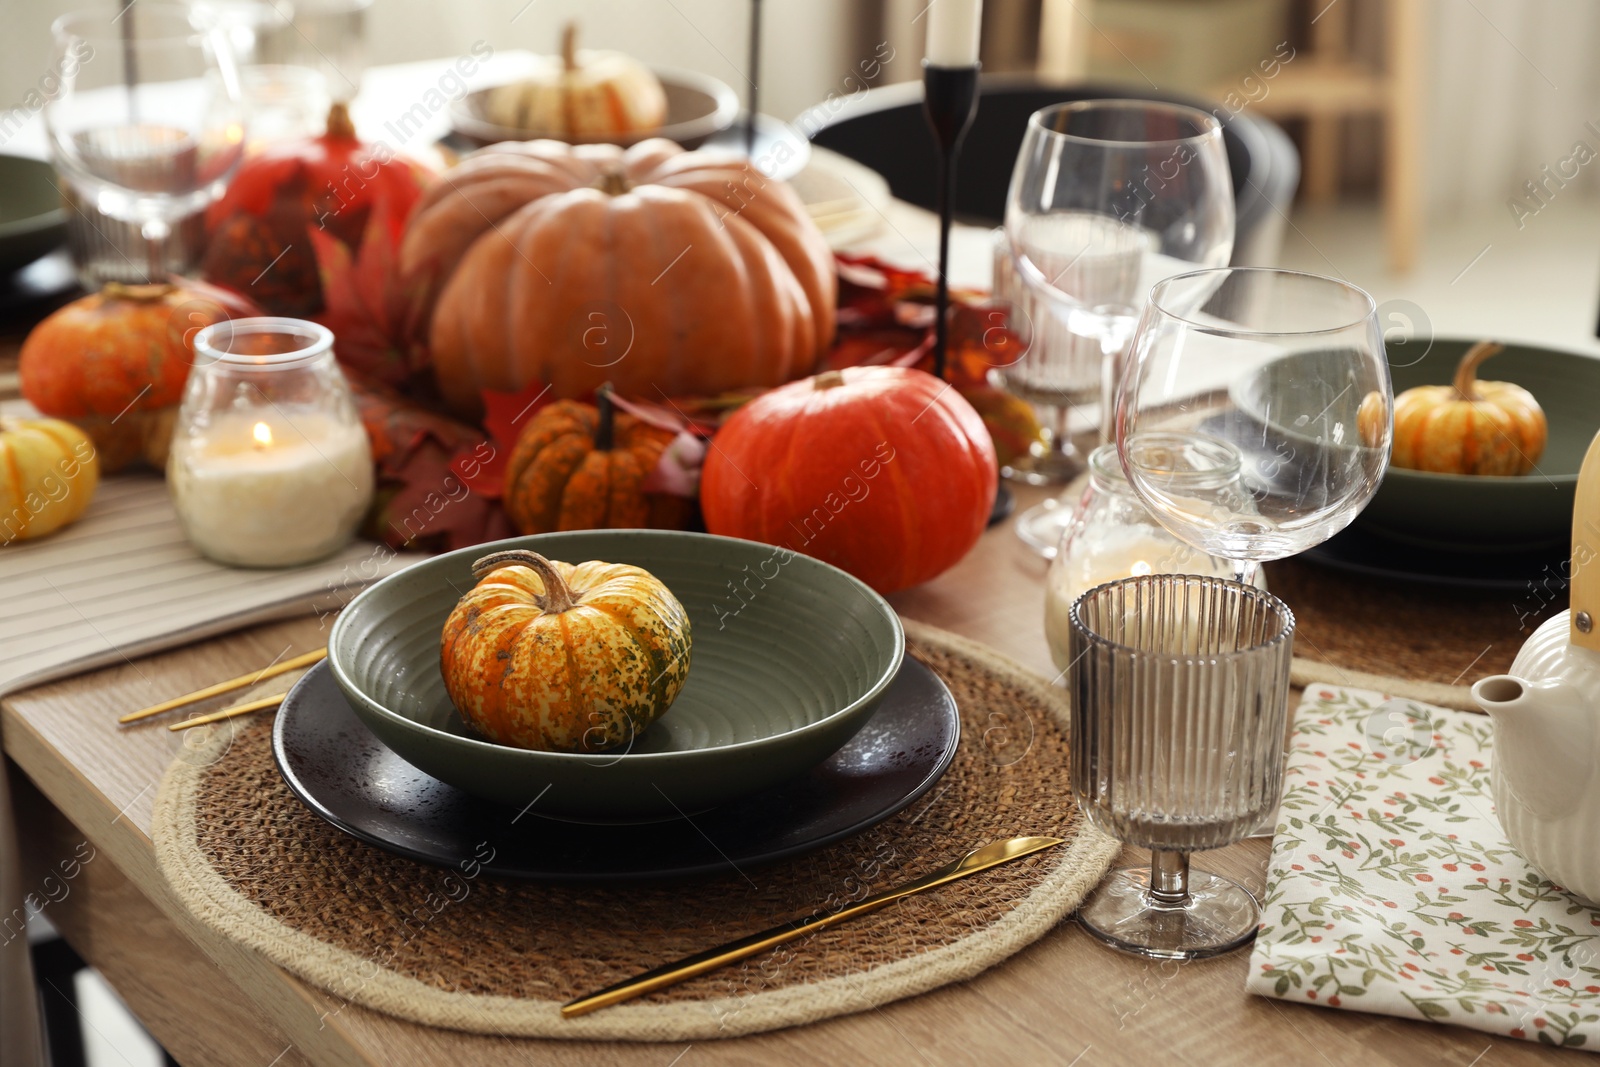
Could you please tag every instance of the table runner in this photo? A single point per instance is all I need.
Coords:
(442, 948)
(1393, 889)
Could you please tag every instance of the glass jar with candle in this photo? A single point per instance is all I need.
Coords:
(1111, 536)
(270, 465)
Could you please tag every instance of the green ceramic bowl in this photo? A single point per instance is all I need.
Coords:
(790, 658)
(1469, 513)
(32, 220)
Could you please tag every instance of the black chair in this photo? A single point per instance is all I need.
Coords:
(884, 129)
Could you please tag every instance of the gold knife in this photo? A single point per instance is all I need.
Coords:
(979, 859)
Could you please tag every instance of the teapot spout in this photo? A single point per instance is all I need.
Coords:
(1543, 738)
(1500, 693)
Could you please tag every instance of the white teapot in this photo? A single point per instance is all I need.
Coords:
(1546, 714)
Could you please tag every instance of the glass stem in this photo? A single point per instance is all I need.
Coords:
(1169, 878)
(1058, 429)
(1245, 571)
(155, 233)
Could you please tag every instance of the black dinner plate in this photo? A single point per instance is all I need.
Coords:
(343, 773)
(1361, 551)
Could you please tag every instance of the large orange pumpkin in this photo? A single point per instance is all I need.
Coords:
(115, 362)
(885, 472)
(659, 270)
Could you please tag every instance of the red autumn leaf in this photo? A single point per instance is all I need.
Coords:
(366, 306)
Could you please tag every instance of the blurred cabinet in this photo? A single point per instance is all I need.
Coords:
(1221, 49)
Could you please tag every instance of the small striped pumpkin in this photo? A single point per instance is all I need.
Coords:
(583, 467)
(561, 658)
(581, 96)
(48, 474)
(1469, 426)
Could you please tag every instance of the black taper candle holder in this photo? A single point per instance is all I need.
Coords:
(754, 64)
(950, 100)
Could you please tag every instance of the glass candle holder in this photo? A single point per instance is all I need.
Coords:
(1112, 535)
(270, 465)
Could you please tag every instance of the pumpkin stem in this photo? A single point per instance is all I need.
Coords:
(569, 46)
(1467, 372)
(340, 128)
(144, 293)
(558, 595)
(613, 181)
(828, 379)
(605, 431)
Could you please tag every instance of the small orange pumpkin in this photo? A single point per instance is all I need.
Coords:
(1470, 426)
(581, 96)
(115, 362)
(583, 467)
(561, 658)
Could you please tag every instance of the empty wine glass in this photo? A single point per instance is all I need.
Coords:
(1180, 697)
(148, 125)
(1278, 374)
(1107, 197)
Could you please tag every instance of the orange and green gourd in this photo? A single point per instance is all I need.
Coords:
(546, 655)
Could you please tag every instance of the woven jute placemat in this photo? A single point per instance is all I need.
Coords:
(1426, 642)
(444, 948)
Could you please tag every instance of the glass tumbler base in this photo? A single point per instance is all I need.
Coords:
(1219, 916)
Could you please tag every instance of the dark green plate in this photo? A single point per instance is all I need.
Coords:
(790, 658)
(32, 220)
(1468, 513)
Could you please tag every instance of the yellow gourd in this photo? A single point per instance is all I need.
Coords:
(1469, 426)
(561, 658)
(48, 473)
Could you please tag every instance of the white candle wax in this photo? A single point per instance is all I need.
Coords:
(265, 489)
(1113, 555)
(953, 31)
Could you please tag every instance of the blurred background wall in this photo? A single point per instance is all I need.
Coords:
(1503, 87)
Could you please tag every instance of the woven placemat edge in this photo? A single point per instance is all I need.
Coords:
(1305, 672)
(344, 974)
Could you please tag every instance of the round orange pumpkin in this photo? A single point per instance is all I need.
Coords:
(885, 472)
(1469, 426)
(583, 467)
(658, 270)
(115, 362)
(556, 657)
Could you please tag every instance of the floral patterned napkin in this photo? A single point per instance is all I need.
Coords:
(1392, 888)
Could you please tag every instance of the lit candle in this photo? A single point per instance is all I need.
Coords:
(1115, 554)
(262, 488)
(953, 30)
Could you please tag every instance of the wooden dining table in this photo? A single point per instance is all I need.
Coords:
(82, 785)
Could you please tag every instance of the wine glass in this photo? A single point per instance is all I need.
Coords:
(1180, 696)
(1279, 375)
(1107, 198)
(148, 126)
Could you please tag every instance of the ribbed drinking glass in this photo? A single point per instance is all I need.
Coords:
(1180, 694)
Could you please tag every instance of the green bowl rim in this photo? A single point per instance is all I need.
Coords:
(32, 224)
(607, 759)
(1493, 479)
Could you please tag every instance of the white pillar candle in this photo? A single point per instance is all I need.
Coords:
(263, 488)
(953, 31)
